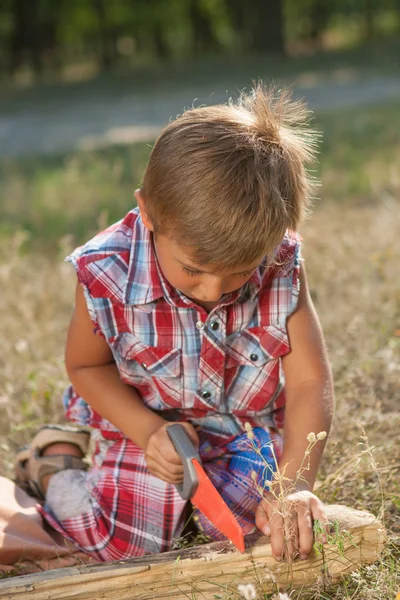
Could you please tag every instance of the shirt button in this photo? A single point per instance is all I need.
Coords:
(200, 325)
(144, 366)
(254, 357)
(214, 325)
(205, 394)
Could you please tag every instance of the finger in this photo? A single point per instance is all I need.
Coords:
(172, 468)
(167, 451)
(262, 521)
(158, 471)
(291, 532)
(156, 459)
(159, 463)
(277, 533)
(306, 535)
(163, 449)
(317, 512)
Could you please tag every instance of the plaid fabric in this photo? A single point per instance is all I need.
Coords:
(234, 473)
(134, 513)
(217, 370)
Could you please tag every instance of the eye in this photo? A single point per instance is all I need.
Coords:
(190, 272)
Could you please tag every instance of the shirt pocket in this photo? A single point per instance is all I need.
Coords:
(149, 368)
(253, 370)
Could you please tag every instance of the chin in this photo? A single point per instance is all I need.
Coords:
(194, 297)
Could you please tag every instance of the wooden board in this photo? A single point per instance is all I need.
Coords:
(205, 572)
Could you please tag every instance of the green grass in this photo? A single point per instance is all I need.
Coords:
(351, 246)
(376, 58)
(360, 152)
(76, 193)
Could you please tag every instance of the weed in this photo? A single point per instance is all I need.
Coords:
(351, 252)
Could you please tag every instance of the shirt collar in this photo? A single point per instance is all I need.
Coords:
(146, 282)
(144, 278)
(252, 287)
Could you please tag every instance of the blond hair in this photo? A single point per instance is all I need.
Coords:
(227, 181)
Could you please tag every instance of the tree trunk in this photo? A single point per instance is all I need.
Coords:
(319, 16)
(107, 52)
(203, 36)
(237, 12)
(209, 571)
(161, 48)
(265, 19)
(50, 45)
(369, 17)
(25, 37)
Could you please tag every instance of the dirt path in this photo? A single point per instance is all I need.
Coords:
(87, 120)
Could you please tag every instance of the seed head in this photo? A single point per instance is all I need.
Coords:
(247, 591)
(249, 431)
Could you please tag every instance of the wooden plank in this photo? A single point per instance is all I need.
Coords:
(205, 571)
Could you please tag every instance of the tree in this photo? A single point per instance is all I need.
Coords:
(203, 36)
(106, 40)
(320, 13)
(25, 36)
(260, 24)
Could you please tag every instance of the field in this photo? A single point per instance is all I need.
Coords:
(352, 252)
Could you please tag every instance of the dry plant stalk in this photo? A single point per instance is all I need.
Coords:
(280, 486)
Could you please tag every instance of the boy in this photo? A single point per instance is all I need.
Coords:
(201, 315)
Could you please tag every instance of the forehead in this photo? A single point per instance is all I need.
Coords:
(185, 256)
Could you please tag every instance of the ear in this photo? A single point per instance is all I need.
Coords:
(142, 207)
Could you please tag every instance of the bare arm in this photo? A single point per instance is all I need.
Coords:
(287, 514)
(94, 374)
(309, 388)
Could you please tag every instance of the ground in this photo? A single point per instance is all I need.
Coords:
(51, 203)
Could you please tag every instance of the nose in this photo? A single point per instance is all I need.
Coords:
(212, 289)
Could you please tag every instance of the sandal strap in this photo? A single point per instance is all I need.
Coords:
(20, 469)
(41, 466)
(31, 466)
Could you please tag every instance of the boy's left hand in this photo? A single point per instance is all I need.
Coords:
(290, 523)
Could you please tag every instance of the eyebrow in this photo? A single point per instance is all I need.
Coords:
(192, 268)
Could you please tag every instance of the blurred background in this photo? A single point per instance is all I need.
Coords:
(86, 86)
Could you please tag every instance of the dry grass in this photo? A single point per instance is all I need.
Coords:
(352, 257)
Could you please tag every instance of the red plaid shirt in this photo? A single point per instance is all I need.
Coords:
(217, 370)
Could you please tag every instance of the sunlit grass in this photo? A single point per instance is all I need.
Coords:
(76, 193)
(352, 255)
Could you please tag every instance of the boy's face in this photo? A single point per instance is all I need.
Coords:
(201, 283)
(198, 282)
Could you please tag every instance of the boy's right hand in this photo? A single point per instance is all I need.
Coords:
(162, 459)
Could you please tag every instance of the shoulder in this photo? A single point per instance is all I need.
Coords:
(288, 253)
(280, 282)
(116, 239)
(287, 256)
(102, 263)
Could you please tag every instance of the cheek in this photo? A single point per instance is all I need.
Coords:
(235, 284)
(182, 282)
(188, 283)
(178, 279)
(232, 288)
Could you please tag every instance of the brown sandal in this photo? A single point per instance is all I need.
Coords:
(31, 467)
